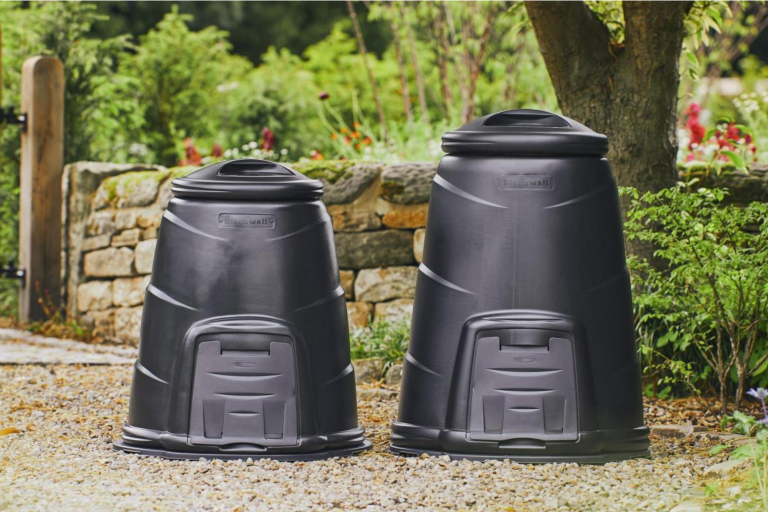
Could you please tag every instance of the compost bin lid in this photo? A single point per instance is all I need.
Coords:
(247, 178)
(525, 132)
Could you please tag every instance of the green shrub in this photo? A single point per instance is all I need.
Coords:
(703, 306)
(180, 79)
(388, 341)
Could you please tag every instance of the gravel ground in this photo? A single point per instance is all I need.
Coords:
(67, 417)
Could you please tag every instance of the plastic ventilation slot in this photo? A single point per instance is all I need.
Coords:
(253, 168)
(513, 118)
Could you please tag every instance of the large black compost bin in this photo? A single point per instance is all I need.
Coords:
(244, 339)
(522, 341)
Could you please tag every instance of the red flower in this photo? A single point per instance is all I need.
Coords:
(695, 129)
(267, 139)
(732, 133)
(191, 155)
(217, 151)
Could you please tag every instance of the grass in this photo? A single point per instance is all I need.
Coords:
(382, 339)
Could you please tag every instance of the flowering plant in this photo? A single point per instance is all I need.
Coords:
(727, 142)
(262, 150)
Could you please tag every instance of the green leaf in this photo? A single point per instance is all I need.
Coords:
(735, 158)
(746, 129)
(717, 449)
(692, 59)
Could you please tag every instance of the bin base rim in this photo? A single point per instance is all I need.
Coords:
(527, 459)
(121, 445)
(592, 447)
(178, 446)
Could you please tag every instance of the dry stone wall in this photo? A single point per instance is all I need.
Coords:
(112, 215)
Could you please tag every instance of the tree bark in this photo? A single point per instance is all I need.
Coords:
(626, 91)
(416, 67)
(364, 52)
(474, 67)
(401, 64)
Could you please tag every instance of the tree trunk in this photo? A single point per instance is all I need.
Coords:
(364, 53)
(416, 67)
(626, 91)
(401, 65)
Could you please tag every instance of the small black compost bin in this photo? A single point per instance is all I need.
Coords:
(244, 346)
(522, 341)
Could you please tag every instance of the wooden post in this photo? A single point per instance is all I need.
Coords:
(42, 162)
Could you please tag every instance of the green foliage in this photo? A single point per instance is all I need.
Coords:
(755, 451)
(58, 29)
(179, 78)
(382, 339)
(705, 300)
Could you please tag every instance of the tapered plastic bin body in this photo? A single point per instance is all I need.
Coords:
(522, 340)
(244, 347)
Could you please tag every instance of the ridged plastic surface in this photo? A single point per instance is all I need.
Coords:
(522, 340)
(244, 346)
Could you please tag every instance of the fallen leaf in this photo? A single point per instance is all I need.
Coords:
(9, 430)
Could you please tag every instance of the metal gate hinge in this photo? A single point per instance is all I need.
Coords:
(11, 271)
(8, 115)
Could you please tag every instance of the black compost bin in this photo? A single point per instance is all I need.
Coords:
(522, 340)
(244, 346)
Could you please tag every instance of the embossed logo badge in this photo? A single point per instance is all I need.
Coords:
(525, 182)
(236, 220)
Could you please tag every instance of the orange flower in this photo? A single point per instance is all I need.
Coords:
(343, 130)
(355, 135)
(334, 136)
(367, 140)
(356, 125)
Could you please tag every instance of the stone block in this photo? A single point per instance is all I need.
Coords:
(145, 254)
(406, 216)
(148, 233)
(103, 323)
(408, 183)
(374, 248)
(149, 219)
(418, 244)
(110, 262)
(129, 292)
(129, 237)
(394, 375)
(344, 184)
(368, 370)
(100, 223)
(96, 242)
(94, 296)
(394, 311)
(383, 284)
(348, 219)
(128, 324)
(129, 189)
(347, 278)
(359, 314)
(125, 219)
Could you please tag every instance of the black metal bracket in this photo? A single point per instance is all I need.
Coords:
(8, 115)
(11, 271)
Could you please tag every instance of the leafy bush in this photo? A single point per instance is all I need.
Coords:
(388, 341)
(705, 302)
(179, 78)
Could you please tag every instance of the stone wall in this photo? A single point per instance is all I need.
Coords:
(112, 214)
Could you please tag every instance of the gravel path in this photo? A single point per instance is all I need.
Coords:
(68, 416)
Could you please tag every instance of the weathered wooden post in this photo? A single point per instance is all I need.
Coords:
(42, 161)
